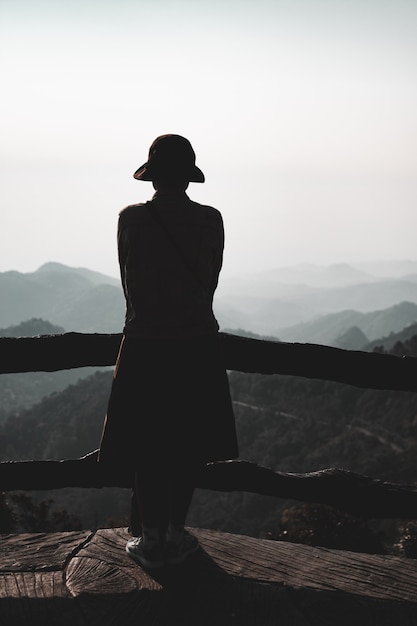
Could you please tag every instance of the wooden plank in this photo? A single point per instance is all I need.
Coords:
(257, 560)
(105, 556)
(301, 566)
(232, 580)
(39, 551)
(32, 584)
(37, 597)
(49, 584)
(242, 580)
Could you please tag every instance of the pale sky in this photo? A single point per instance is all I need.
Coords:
(302, 114)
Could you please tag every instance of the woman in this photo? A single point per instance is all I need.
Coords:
(169, 411)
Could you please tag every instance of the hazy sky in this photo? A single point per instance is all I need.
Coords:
(302, 114)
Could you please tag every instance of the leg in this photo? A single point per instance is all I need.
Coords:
(184, 478)
(151, 493)
(150, 500)
(179, 543)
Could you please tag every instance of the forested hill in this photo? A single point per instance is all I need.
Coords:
(31, 328)
(21, 391)
(286, 423)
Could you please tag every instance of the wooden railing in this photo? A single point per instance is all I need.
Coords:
(363, 369)
(349, 491)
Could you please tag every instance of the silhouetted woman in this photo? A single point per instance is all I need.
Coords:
(169, 411)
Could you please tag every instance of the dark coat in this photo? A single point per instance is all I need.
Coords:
(170, 398)
(170, 394)
(170, 255)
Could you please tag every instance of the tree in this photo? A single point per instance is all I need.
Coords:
(322, 525)
(20, 513)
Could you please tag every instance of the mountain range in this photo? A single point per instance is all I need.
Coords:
(277, 302)
(77, 299)
(335, 329)
(341, 305)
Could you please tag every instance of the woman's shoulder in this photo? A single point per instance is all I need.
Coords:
(206, 211)
(190, 211)
(133, 212)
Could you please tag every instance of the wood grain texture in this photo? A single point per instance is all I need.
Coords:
(301, 566)
(85, 578)
(39, 551)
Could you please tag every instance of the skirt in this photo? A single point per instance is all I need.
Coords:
(170, 399)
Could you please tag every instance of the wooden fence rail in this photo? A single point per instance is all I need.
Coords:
(362, 369)
(346, 490)
(351, 492)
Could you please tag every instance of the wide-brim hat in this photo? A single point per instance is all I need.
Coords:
(171, 158)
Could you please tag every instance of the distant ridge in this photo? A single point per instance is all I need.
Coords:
(95, 277)
(271, 303)
(393, 338)
(353, 339)
(335, 329)
(388, 269)
(339, 274)
(311, 275)
(31, 328)
(77, 299)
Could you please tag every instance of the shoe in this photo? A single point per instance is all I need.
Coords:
(176, 553)
(147, 557)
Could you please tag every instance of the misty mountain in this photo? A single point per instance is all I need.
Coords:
(351, 339)
(270, 316)
(54, 269)
(310, 275)
(266, 303)
(31, 328)
(269, 301)
(388, 269)
(330, 329)
(76, 299)
(390, 342)
(261, 283)
(100, 309)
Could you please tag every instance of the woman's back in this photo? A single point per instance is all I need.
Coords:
(170, 252)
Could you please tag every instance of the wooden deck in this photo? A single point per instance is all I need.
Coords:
(84, 578)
